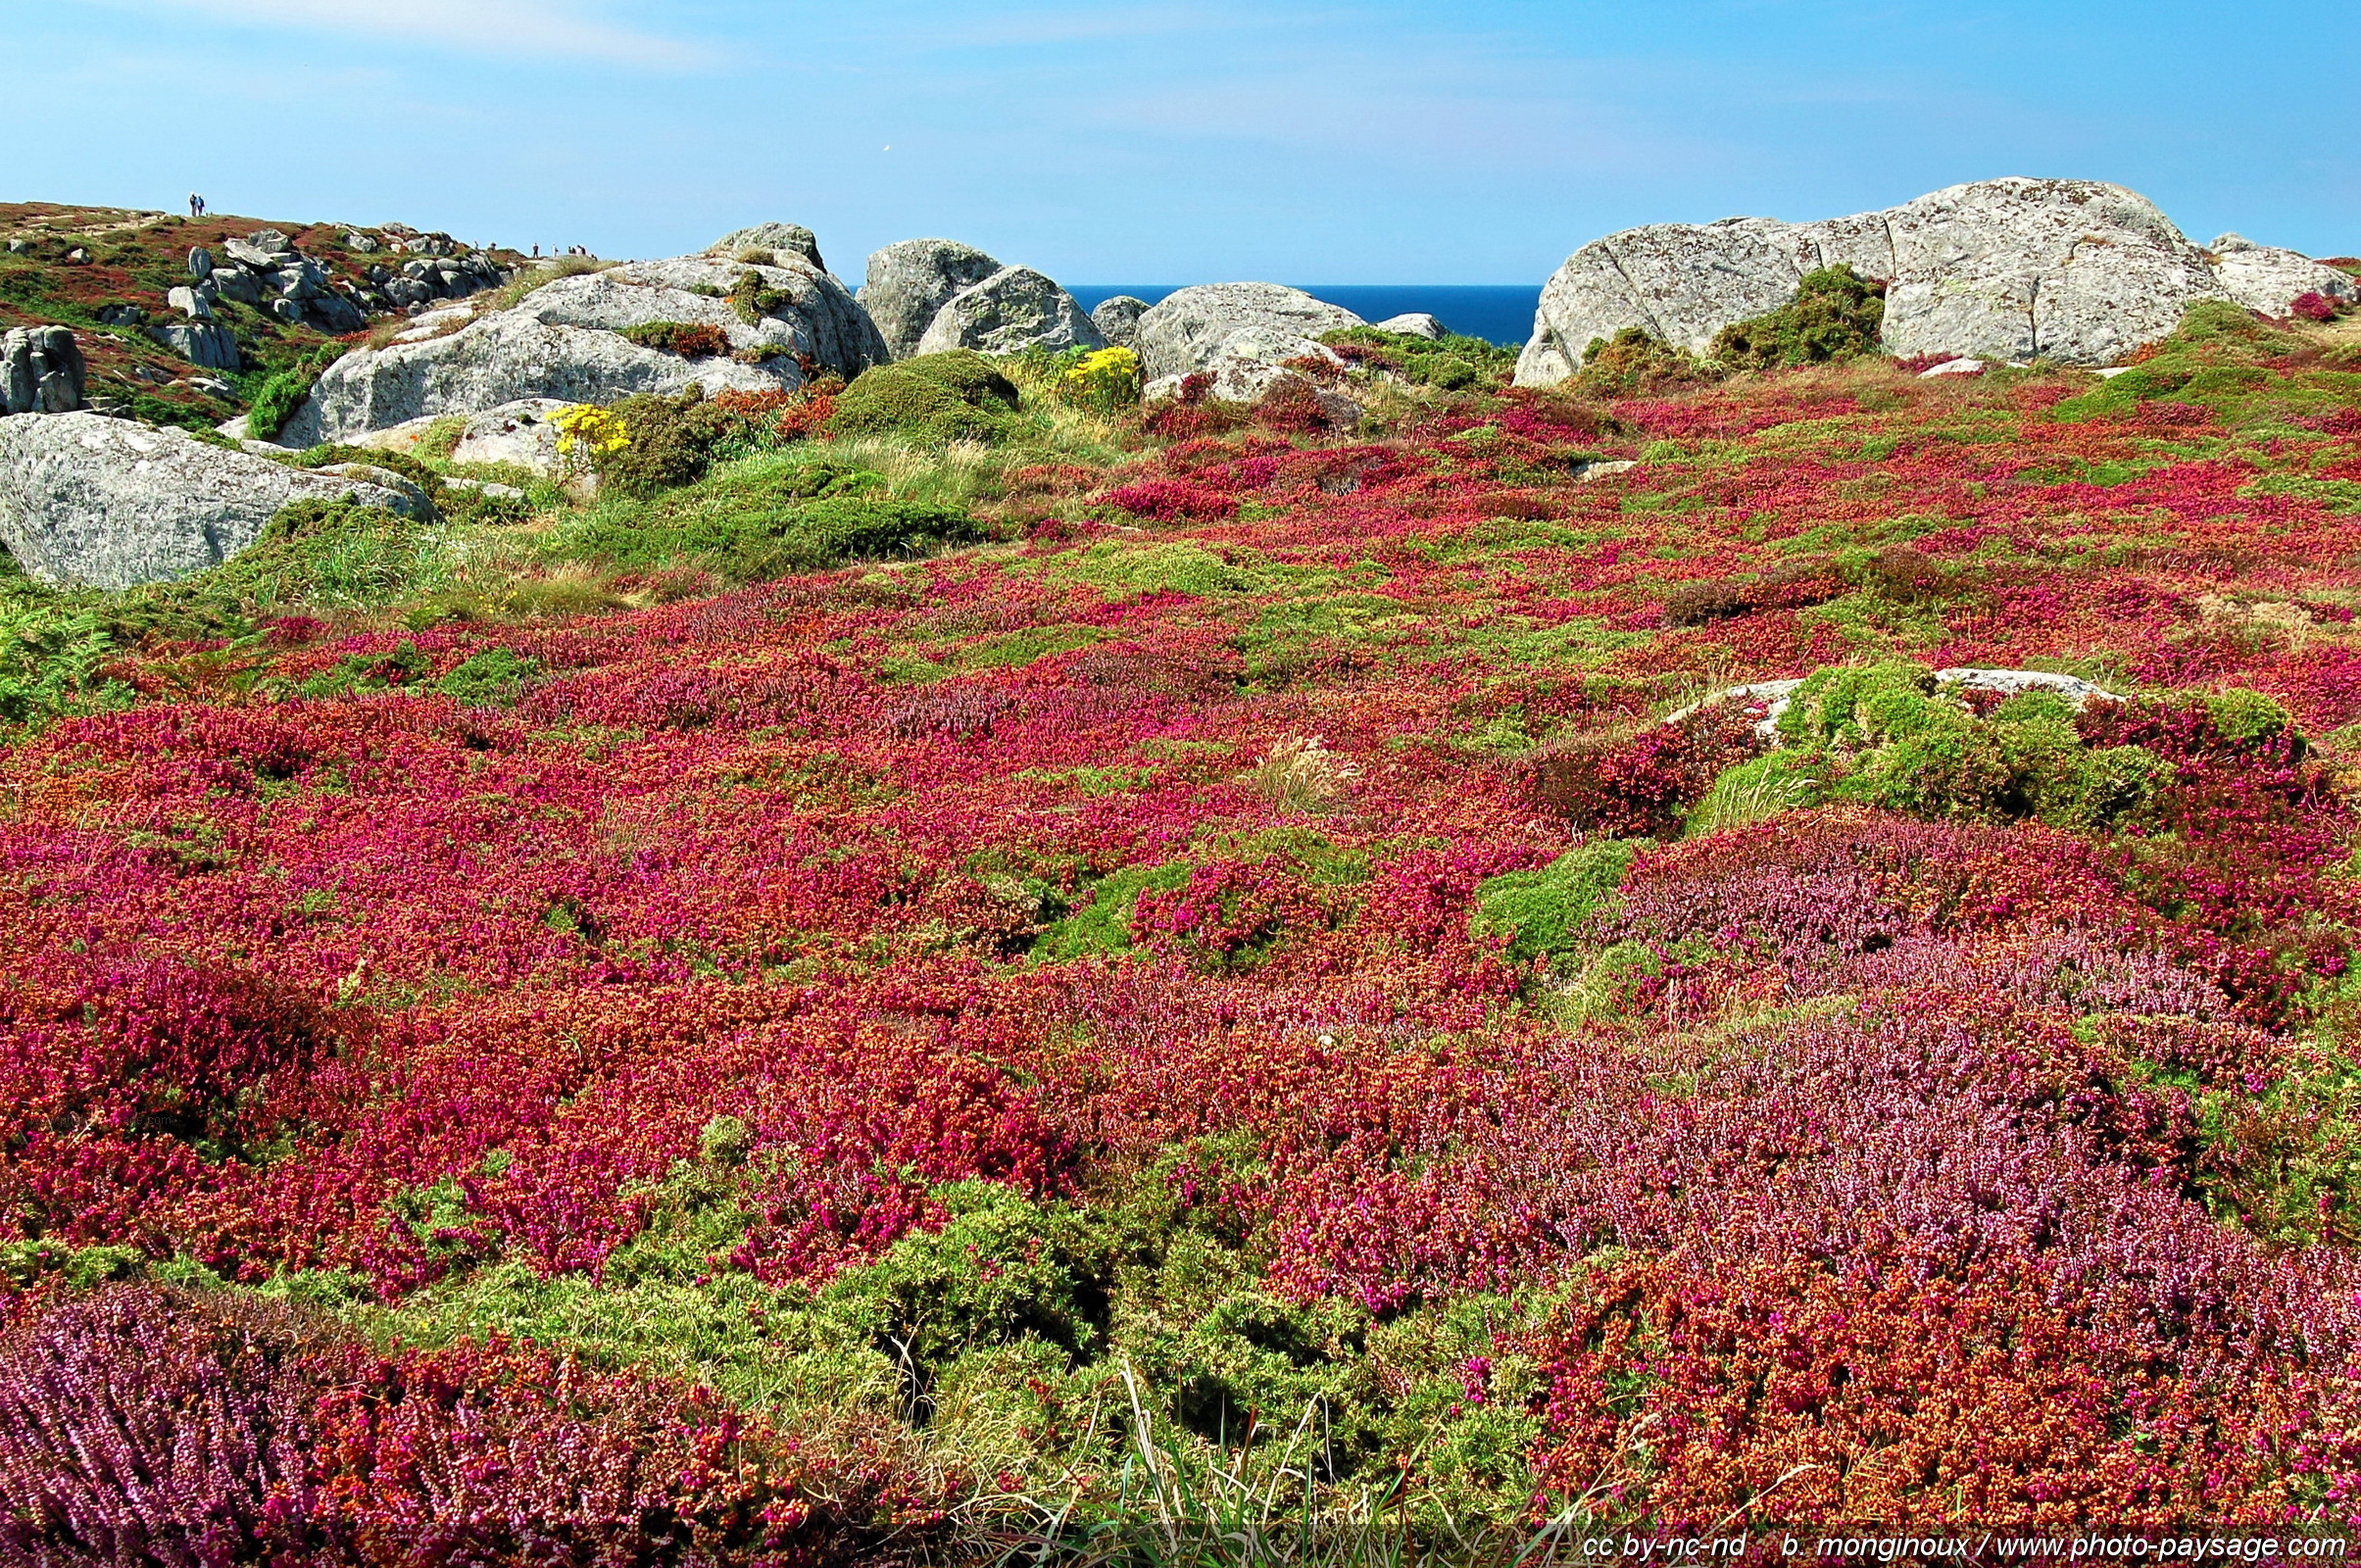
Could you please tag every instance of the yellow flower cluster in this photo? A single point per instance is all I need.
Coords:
(1107, 379)
(587, 434)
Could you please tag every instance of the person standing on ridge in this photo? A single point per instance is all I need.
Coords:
(196, 204)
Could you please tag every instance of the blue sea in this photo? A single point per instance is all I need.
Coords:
(1501, 314)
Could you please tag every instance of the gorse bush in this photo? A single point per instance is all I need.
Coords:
(1835, 314)
(650, 442)
(1104, 380)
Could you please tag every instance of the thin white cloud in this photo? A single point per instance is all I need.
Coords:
(556, 28)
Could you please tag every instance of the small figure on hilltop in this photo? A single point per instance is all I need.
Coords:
(196, 204)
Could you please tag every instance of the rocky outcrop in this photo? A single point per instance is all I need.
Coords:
(564, 342)
(1415, 324)
(911, 279)
(517, 433)
(41, 370)
(1254, 364)
(1184, 332)
(1013, 309)
(2268, 279)
(2005, 268)
(99, 503)
(208, 345)
(265, 271)
(1118, 319)
(780, 240)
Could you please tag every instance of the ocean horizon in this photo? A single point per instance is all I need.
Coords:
(1497, 313)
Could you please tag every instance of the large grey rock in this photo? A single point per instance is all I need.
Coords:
(1180, 335)
(519, 433)
(911, 279)
(236, 285)
(334, 315)
(791, 239)
(189, 303)
(1014, 309)
(2266, 278)
(1118, 319)
(200, 263)
(99, 503)
(1415, 324)
(41, 370)
(2003, 269)
(564, 342)
(249, 254)
(208, 345)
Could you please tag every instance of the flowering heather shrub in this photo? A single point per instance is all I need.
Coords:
(1640, 785)
(2314, 306)
(1172, 500)
(691, 340)
(154, 1426)
(908, 997)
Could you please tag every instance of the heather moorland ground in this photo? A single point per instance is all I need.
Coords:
(1158, 988)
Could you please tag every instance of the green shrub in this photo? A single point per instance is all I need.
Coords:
(767, 520)
(839, 529)
(1126, 571)
(1103, 924)
(494, 677)
(2219, 357)
(956, 396)
(284, 393)
(1451, 363)
(51, 654)
(691, 340)
(671, 441)
(1835, 314)
(755, 300)
(351, 676)
(1002, 1269)
(2239, 714)
(1634, 362)
(1540, 911)
(1885, 735)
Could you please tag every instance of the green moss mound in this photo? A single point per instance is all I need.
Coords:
(1835, 314)
(2224, 361)
(1887, 735)
(1540, 911)
(765, 517)
(956, 396)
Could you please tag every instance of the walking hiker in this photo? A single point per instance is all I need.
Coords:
(196, 204)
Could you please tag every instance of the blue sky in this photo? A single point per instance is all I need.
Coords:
(1475, 142)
